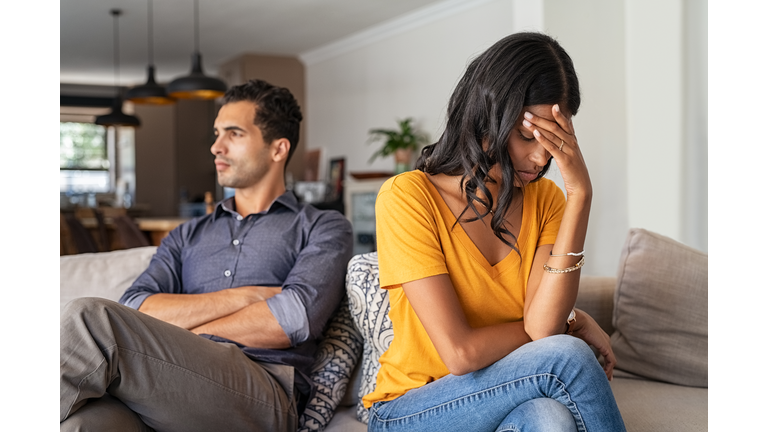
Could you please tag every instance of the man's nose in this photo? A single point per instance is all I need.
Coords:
(217, 147)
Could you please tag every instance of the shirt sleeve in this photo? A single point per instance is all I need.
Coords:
(407, 233)
(161, 276)
(315, 285)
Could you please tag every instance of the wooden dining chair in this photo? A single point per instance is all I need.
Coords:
(101, 227)
(129, 233)
(82, 239)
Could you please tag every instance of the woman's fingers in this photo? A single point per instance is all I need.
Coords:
(610, 363)
(557, 132)
(547, 141)
(565, 123)
(590, 332)
(610, 359)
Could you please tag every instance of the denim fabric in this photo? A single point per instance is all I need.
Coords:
(559, 367)
(539, 415)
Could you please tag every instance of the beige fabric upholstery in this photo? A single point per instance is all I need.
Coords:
(660, 310)
(345, 420)
(651, 406)
(596, 299)
(106, 274)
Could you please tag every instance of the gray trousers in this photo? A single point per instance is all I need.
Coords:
(124, 370)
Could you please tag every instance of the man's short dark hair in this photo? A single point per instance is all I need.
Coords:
(277, 113)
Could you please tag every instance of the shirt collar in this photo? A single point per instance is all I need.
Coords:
(287, 199)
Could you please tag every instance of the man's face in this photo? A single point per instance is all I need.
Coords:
(242, 156)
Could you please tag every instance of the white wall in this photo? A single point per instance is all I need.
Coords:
(695, 150)
(655, 115)
(410, 72)
(631, 125)
(592, 33)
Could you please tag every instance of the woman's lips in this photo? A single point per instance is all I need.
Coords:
(528, 176)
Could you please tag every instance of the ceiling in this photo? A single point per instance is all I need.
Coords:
(227, 28)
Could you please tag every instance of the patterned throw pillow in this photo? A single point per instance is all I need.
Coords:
(370, 312)
(337, 354)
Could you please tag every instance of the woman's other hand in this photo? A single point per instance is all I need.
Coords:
(586, 329)
(559, 139)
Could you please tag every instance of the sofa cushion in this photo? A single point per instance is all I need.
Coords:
(106, 274)
(652, 406)
(370, 312)
(660, 310)
(336, 357)
(345, 420)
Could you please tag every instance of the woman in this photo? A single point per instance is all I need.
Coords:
(481, 256)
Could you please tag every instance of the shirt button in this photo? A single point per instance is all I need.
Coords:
(227, 273)
(235, 242)
(239, 217)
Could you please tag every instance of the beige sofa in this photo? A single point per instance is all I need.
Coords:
(655, 309)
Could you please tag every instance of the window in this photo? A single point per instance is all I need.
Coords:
(84, 163)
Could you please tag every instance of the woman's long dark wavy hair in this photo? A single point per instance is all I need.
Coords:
(523, 69)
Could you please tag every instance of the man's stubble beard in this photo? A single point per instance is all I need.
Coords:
(238, 180)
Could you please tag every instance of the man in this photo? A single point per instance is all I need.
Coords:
(230, 306)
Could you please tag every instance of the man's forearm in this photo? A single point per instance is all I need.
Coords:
(253, 326)
(192, 310)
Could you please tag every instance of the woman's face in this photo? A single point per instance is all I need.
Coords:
(528, 156)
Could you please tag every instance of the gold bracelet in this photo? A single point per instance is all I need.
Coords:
(578, 265)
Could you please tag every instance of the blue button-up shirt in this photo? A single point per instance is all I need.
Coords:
(291, 245)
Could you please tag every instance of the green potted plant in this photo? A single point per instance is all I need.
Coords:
(401, 142)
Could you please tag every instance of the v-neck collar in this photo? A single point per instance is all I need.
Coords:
(511, 260)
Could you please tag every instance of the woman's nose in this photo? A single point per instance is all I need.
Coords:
(540, 156)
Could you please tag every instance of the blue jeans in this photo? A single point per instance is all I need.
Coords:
(558, 368)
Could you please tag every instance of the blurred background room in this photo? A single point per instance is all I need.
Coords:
(355, 66)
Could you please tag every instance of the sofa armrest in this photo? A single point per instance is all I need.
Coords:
(596, 298)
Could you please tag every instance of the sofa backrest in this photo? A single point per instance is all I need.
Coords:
(105, 274)
(596, 298)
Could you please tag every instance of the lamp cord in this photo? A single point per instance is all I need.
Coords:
(116, 41)
(197, 27)
(151, 36)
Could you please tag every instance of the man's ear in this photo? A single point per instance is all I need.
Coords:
(280, 149)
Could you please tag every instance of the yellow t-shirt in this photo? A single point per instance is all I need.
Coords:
(416, 239)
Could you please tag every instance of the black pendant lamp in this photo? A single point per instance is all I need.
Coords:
(150, 93)
(196, 85)
(117, 117)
